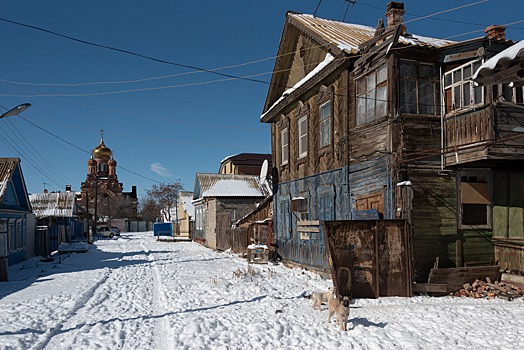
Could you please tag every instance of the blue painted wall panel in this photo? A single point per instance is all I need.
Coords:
(330, 196)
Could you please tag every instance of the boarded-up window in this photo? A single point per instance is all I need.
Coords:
(302, 137)
(371, 201)
(475, 201)
(284, 151)
(299, 204)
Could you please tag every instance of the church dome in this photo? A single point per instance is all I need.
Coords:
(102, 151)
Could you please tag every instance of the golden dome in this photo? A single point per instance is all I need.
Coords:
(102, 151)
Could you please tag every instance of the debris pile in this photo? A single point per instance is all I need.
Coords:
(487, 289)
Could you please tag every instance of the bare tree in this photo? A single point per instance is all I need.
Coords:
(166, 196)
(149, 209)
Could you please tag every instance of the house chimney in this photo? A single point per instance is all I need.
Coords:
(496, 32)
(395, 13)
(68, 188)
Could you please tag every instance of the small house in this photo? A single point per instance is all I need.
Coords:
(16, 221)
(56, 215)
(220, 200)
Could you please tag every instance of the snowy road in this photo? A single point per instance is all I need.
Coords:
(137, 293)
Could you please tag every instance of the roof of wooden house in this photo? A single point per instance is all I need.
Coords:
(55, 204)
(228, 185)
(348, 36)
(334, 42)
(12, 179)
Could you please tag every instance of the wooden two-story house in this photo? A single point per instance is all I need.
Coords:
(366, 123)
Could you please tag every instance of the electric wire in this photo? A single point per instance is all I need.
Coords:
(33, 152)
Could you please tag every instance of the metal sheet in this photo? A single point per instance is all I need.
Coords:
(369, 258)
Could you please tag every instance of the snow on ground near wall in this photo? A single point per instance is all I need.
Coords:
(134, 292)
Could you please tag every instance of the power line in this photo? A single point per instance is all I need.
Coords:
(130, 52)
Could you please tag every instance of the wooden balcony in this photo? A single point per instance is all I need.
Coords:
(485, 135)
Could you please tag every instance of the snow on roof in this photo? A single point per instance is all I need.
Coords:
(7, 168)
(512, 56)
(228, 185)
(348, 36)
(310, 75)
(57, 204)
(187, 198)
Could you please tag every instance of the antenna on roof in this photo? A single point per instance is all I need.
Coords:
(263, 172)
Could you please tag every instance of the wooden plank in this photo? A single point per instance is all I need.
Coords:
(308, 229)
(308, 223)
(430, 288)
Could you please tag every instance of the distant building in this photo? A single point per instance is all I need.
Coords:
(244, 164)
(16, 220)
(220, 200)
(186, 214)
(56, 214)
(102, 186)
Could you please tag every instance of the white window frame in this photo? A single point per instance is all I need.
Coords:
(284, 147)
(325, 124)
(460, 83)
(302, 136)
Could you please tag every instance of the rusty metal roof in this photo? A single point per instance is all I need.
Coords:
(349, 36)
(57, 204)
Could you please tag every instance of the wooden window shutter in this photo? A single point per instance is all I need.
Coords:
(474, 193)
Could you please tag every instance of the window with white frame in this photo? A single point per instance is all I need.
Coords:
(302, 137)
(475, 200)
(419, 88)
(325, 124)
(372, 96)
(460, 92)
(284, 150)
(508, 93)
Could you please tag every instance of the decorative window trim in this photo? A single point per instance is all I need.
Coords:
(284, 146)
(325, 124)
(302, 128)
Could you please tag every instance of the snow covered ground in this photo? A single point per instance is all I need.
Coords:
(134, 292)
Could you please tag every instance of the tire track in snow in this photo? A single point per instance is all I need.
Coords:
(160, 303)
(79, 304)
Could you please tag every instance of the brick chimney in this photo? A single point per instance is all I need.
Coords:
(496, 32)
(395, 14)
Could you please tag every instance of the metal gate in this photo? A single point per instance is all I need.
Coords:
(369, 258)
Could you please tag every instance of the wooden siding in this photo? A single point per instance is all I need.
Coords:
(318, 159)
(508, 220)
(434, 220)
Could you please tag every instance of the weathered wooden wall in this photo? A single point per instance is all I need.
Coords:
(508, 220)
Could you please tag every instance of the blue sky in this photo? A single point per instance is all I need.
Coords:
(164, 121)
